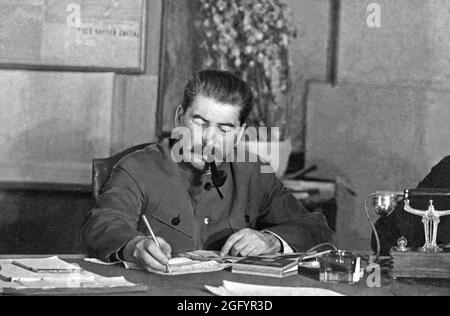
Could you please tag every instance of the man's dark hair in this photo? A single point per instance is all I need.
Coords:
(222, 87)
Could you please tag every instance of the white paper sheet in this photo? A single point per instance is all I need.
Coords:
(242, 289)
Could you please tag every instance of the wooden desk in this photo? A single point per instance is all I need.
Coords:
(193, 284)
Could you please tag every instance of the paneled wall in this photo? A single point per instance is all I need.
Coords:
(375, 139)
(52, 124)
(410, 48)
(55, 123)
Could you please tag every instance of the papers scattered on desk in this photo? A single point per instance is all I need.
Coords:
(52, 273)
(242, 289)
(11, 272)
(91, 281)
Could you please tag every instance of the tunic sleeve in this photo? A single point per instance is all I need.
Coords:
(113, 222)
(285, 216)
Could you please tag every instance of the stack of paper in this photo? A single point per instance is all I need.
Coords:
(53, 273)
(50, 269)
(242, 289)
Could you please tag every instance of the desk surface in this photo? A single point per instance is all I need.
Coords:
(193, 284)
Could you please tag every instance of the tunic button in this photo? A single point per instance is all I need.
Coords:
(208, 220)
(176, 221)
(208, 186)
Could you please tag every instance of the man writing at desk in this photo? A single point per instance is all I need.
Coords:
(252, 213)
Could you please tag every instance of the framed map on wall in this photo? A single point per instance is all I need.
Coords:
(104, 35)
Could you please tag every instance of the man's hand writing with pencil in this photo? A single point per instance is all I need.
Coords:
(146, 253)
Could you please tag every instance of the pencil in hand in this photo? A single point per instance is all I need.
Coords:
(149, 228)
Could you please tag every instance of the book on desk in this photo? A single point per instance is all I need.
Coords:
(277, 267)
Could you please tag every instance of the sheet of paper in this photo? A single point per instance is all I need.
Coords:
(108, 282)
(242, 289)
(51, 264)
(100, 282)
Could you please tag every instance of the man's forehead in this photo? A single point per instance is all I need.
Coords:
(210, 108)
(201, 100)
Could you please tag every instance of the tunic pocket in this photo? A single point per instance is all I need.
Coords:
(174, 219)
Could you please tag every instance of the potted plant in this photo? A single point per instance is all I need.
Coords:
(251, 38)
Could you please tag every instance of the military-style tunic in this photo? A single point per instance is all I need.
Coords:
(184, 208)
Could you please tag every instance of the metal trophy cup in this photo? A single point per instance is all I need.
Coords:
(383, 203)
(428, 261)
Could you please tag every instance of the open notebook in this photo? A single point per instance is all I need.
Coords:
(181, 265)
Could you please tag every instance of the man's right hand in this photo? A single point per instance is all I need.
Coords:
(147, 255)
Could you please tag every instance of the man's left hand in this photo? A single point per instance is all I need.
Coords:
(249, 242)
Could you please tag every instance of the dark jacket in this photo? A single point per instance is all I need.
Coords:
(188, 213)
(400, 223)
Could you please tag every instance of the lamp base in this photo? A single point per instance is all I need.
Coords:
(421, 265)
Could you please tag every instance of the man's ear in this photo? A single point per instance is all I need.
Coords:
(178, 114)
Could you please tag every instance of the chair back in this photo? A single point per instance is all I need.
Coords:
(102, 168)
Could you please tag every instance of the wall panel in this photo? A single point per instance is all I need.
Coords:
(374, 138)
(410, 48)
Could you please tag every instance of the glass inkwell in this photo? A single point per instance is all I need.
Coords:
(340, 267)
